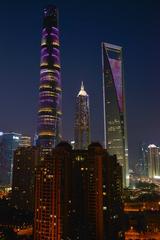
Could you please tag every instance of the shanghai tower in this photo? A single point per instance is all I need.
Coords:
(115, 131)
(50, 93)
(82, 120)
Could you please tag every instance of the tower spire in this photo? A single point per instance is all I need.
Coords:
(82, 120)
(82, 86)
(82, 92)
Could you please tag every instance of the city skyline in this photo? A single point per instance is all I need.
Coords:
(138, 33)
(74, 182)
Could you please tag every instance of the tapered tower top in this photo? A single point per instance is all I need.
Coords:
(82, 120)
(82, 92)
(50, 10)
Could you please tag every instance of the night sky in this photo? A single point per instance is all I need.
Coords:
(134, 25)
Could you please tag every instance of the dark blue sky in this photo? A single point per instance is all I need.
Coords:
(134, 25)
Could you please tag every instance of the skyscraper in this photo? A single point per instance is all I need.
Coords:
(115, 134)
(49, 113)
(113, 205)
(78, 195)
(141, 167)
(25, 161)
(153, 162)
(82, 120)
(53, 195)
(87, 201)
(9, 143)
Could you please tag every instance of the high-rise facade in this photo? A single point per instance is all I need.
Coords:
(24, 164)
(115, 132)
(82, 120)
(9, 143)
(87, 200)
(53, 195)
(25, 141)
(153, 162)
(141, 166)
(49, 112)
(112, 201)
(78, 195)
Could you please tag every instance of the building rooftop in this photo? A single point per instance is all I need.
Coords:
(82, 92)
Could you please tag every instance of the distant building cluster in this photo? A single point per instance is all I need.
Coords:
(9, 142)
(148, 164)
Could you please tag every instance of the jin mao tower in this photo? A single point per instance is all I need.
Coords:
(82, 120)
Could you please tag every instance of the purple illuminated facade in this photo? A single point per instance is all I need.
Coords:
(50, 93)
(115, 131)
